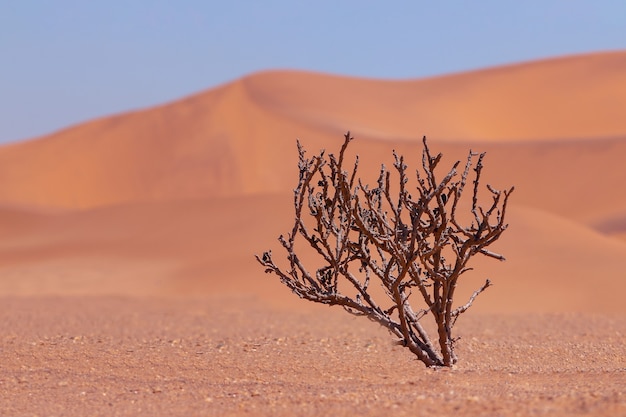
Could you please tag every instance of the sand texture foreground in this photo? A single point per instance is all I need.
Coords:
(132, 356)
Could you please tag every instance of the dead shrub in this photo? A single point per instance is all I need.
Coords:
(409, 241)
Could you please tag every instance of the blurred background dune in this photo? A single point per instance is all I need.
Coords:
(176, 199)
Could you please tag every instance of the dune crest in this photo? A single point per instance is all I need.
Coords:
(562, 98)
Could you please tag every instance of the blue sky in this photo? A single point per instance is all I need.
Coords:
(67, 61)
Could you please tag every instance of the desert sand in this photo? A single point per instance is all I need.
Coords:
(129, 287)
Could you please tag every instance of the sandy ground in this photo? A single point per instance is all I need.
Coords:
(119, 356)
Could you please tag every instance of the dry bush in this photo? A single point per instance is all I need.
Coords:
(412, 245)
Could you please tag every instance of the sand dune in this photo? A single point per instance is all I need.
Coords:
(239, 138)
(176, 199)
(553, 264)
(570, 97)
(207, 247)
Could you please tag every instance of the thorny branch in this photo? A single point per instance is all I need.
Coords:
(404, 242)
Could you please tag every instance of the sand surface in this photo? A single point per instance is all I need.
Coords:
(128, 284)
(134, 356)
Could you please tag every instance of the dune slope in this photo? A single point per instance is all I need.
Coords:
(238, 139)
(207, 247)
